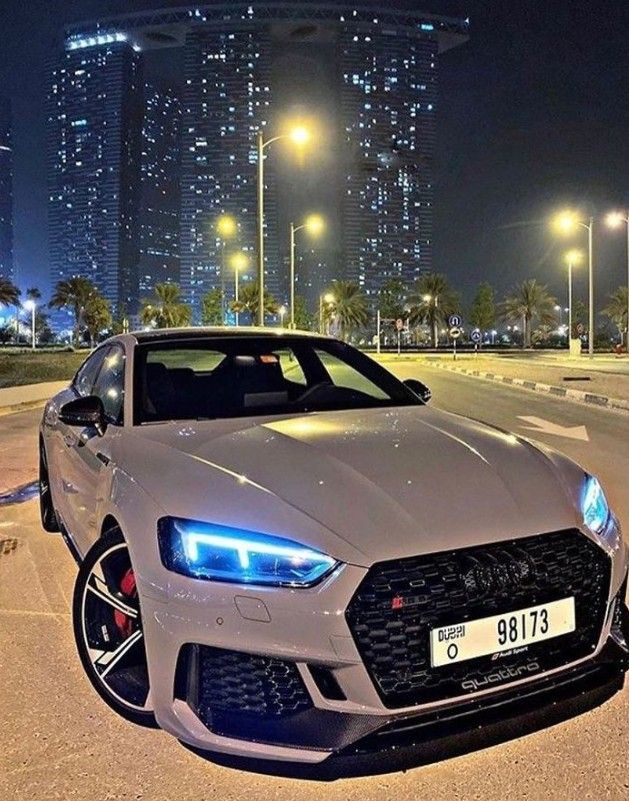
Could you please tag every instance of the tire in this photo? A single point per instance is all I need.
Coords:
(107, 625)
(47, 512)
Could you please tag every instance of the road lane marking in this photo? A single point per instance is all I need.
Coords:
(547, 427)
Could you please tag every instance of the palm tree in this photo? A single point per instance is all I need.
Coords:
(9, 293)
(348, 308)
(616, 310)
(432, 301)
(249, 301)
(166, 310)
(74, 294)
(529, 301)
(33, 293)
(97, 316)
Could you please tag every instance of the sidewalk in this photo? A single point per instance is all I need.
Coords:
(15, 399)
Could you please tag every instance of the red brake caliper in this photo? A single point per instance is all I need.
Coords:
(128, 589)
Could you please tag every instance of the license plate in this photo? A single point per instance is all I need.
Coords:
(492, 635)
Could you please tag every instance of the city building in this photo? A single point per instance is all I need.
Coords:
(376, 82)
(160, 196)
(6, 192)
(94, 115)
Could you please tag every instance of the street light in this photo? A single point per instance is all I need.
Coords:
(614, 220)
(573, 257)
(226, 228)
(314, 225)
(238, 262)
(566, 223)
(299, 135)
(328, 299)
(30, 306)
(282, 311)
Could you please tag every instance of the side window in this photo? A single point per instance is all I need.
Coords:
(291, 369)
(343, 375)
(86, 376)
(109, 386)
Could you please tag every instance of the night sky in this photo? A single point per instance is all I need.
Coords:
(534, 115)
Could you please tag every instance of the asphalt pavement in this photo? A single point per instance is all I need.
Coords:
(59, 741)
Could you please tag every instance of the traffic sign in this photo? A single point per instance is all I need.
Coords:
(476, 335)
(455, 332)
(454, 320)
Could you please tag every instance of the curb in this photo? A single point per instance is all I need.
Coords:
(22, 407)
(602, 401)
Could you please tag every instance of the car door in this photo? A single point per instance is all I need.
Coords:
(90, 453)
(61, 438)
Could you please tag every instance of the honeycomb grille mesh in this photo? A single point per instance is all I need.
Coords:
(236, 682)
(399, 602)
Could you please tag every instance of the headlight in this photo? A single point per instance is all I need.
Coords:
(596, 512)
(219, 553)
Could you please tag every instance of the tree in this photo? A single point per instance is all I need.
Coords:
(166, 310)
(74, 294)
(349, 308)
(529, 301)
(432, 301)
(248, 301)
(9, 293)
(616, 310)
(392, 299)
(303, 319)
(483, 310)
(212, 307)
(97, 316)
(33, 293)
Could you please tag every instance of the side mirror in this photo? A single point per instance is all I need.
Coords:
(87, 412)
(419, 388)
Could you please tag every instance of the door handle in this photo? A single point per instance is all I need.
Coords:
(103, 458)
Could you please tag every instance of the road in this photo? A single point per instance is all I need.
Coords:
(59, 741)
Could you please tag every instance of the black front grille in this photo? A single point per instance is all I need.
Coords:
(399, 602)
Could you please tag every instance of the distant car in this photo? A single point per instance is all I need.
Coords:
(285, 553)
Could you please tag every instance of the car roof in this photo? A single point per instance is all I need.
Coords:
(171, 334)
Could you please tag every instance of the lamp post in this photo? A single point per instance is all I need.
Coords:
(238, 262)
(226, 228)
(299, 136)
(613, 220)
(30, 305)
(282, 311)
(566, 223)
(573, 257)
(314, 224)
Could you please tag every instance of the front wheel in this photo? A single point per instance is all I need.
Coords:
(108, 629)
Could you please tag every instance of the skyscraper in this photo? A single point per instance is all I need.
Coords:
(94, 139)
(226, 100)
(160, 195)
(388, 104)
(6, 191)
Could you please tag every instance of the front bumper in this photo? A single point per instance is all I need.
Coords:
(206, 636)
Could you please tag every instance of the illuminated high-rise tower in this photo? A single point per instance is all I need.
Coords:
(6, 191)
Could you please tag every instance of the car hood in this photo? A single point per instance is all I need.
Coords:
(363, 485)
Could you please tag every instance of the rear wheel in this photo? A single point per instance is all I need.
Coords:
(46, 509)
(108, 629)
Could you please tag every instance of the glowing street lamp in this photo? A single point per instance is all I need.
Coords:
(299, 135)
(314, 225)
(239, 262)
(614, 220)
(226, 228)
(30, 306)
(566, 223)
(282, 311)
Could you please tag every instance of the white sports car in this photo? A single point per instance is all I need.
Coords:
(285, 553)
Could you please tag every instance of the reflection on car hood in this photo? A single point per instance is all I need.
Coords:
(364, 485)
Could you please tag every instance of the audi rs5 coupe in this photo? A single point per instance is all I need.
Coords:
(286, 553)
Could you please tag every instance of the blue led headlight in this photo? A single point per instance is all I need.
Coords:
(219, 553)
(596, 512)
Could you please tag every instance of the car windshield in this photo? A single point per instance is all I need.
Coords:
(210, 378)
